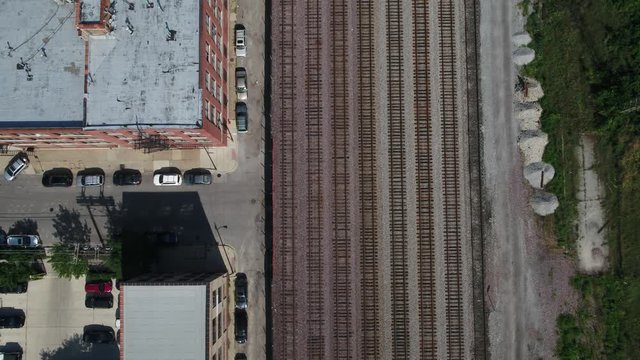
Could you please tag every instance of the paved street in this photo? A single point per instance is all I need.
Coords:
(246, 198)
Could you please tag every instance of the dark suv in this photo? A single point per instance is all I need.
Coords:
(98, 334)
(127, 177)
(98, 300)
(57, 177)
(12, 321)
(19, 288)
(241, 326)
(241, 291)
(197, 177)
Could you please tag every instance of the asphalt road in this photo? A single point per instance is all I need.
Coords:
(230, 210)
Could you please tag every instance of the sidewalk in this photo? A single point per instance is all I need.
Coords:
(218, 160)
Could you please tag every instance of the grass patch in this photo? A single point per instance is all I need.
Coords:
(588, 62)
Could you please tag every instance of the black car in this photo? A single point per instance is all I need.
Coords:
(11, 355)
(163, 238)
(12, 321)
(57, 177)
(96, 334)
(127, 177)
(197, 177)
(241, 326)
(242, 119)
(241, 291)
(99, 300)
(19, 288)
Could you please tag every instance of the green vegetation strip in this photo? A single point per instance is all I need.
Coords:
(588, 62)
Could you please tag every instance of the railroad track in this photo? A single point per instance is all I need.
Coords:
(313, 121)
(367, 171)
(424, 183)
(285, 302)
(397, 182)
(342, 279)
(450, 181)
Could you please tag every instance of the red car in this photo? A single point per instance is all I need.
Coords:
(98, 287)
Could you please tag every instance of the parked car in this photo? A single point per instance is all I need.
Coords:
(19, 288)
(95, 334)
(104, 286)
(16, 165)
(12, 321)
(241, 46)
(241, 291)
(241, 326)
(99, 300)
(10, 355)
(127, 177)
(163, 238)
(167, 179)
(25, 241)
(242, 118)
(57, 177)
(89, 179)
(198, 177)
(241, 83)
(118, 318)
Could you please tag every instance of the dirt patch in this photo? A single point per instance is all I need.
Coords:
(593, 251)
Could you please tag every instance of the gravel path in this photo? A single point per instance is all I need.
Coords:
(526, 283)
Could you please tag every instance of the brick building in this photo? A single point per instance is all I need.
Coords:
(96, 73)
(175, 316)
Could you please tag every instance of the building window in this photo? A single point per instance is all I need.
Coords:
(219, 330)
(220, 67)
(219, 91)
(212, 112)
(214, 59)
(208, 23)
(206, 109)
(208, 51)
(207, 81)
(214, 86)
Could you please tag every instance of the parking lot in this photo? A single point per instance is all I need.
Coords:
(55, 317)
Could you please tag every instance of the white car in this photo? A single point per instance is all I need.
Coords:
(27, 241)
(241, 46)
(241, 83)
(167, 179)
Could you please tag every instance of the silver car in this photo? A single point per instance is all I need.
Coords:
(27, 241)
(15, 167)
(241, 83)
(241, 46)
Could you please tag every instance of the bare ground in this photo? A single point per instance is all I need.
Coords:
(527, 281)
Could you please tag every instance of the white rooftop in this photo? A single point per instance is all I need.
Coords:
(164, 322)
(142, 78)
(54, 95)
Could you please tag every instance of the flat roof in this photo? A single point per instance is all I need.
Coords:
(164, 322)
(89, 11)
(137, 76)
(53, 98)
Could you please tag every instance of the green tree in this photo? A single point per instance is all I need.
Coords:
(15, 268)
(66, 264)
(69, 229)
